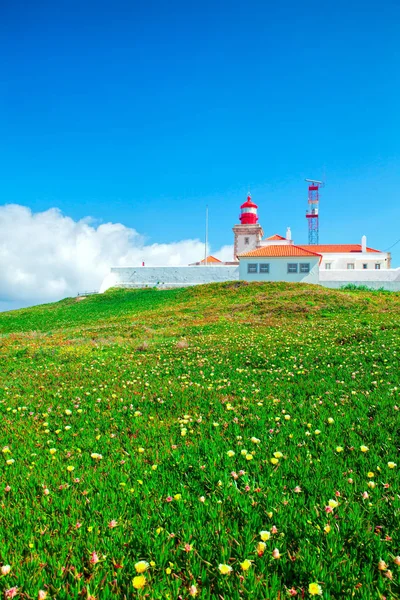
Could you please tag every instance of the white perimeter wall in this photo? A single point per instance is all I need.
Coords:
(389, 279)
(278, 269)
(168, 276)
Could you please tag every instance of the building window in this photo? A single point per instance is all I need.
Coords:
(264, 268)
(365, 266)
(292, 268)
(246, 241)
(350, 266)
(252, 268)
(327, 266)
(377, 266)
(304, 267)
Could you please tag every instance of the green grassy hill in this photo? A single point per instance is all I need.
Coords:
(172, 427)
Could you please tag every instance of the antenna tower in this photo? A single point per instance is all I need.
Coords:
(313, 210)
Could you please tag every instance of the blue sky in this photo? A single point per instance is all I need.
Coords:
(144, 112)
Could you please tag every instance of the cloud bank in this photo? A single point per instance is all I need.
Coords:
(47, 256)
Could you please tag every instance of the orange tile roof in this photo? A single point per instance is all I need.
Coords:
(276, 236)
(210, 259)
(336, 248)
(279, 251)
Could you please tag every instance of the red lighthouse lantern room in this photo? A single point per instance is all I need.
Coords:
(248, 215)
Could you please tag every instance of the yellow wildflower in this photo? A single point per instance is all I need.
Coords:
(314, 589)
(224, 569)
(141, 566)
(139, 582)
(261, 547)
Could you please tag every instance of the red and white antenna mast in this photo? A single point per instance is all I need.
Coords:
(313, 210)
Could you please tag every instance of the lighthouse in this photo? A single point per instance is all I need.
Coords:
(248, 212)
(249, 233)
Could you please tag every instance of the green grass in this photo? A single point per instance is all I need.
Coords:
(163, 384)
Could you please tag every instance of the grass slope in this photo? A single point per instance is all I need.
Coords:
(173, 427)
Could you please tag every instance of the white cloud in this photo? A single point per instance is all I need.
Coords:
(225, 253)
(47, 256)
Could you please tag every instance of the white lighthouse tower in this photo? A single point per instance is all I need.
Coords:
(249, 233)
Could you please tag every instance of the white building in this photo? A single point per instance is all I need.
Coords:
(346, 260)
(285, 262)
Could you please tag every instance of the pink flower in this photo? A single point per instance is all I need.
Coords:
(11, 593)
(174, 447)
(274, 529)
(337, 494)
(76, 480)
(247, 488)
(42, 595)
(78, 525)
(188, 547)
(365, 495)
(276, 554)
(113, 523)
(328, 509)
(7, 488)
(168, 499)
(297, 490)
(94, 558)
(234, 475)
(241, 472)
(292, 592)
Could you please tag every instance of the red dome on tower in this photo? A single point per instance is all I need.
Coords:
(248, 215)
